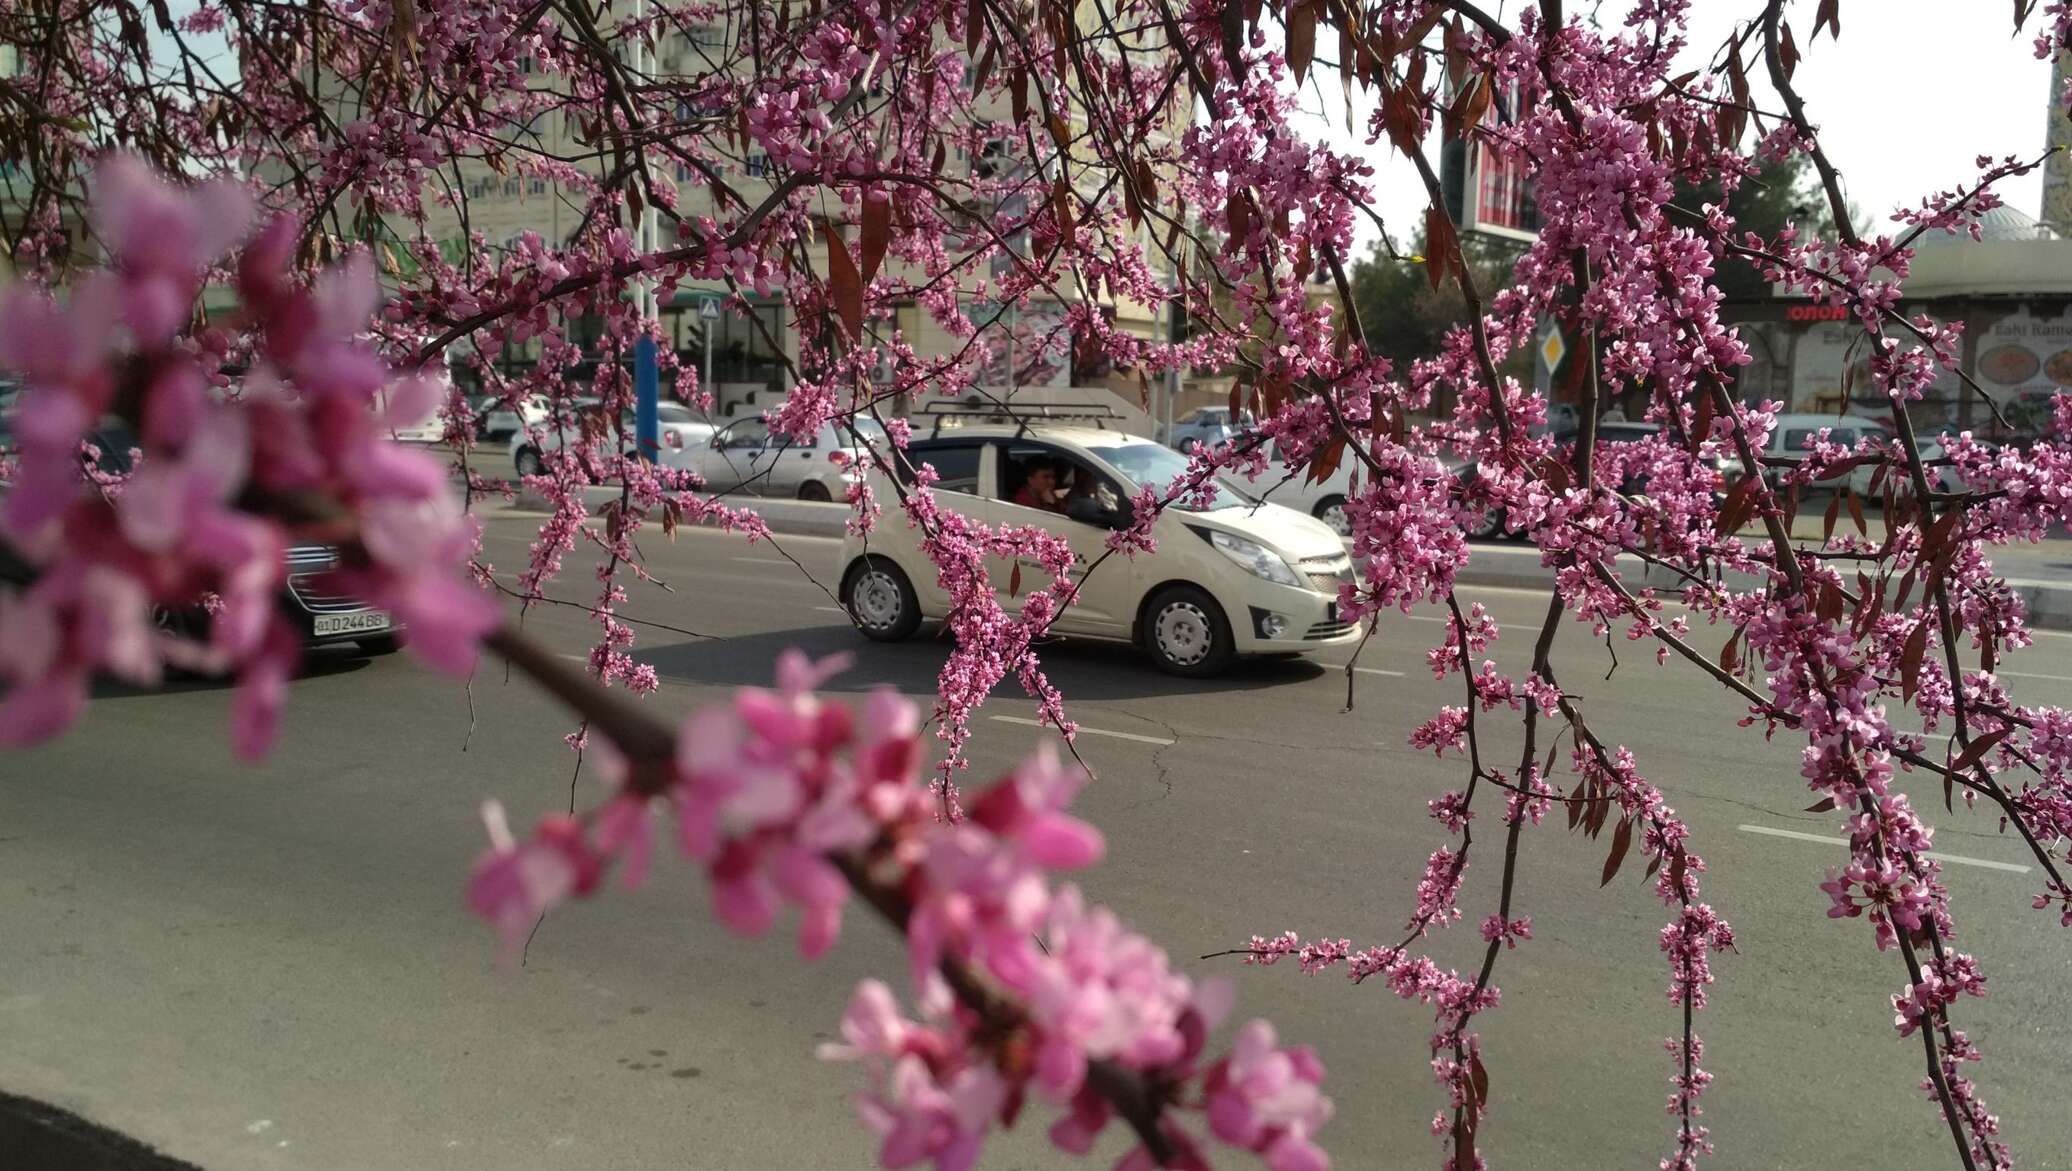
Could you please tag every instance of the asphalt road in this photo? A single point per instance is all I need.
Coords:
(271, 967)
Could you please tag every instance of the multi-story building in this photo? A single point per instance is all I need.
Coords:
(747, 372)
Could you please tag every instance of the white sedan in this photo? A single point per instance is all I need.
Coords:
(681, 433)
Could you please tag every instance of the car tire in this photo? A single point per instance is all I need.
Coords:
(528, 462)
(1331, 510)
(1488, 526)
(815, 490)
(380, 644)
(881, 600)
(1186, 633)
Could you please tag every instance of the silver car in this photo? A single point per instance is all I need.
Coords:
(745, 457)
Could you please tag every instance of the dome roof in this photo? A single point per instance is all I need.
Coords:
(2001, 223)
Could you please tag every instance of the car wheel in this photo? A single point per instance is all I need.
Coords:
(1487, 526)
(528, 462)
(881, 600)
(814, 490)
(381, 644)
(1186, 633)
(1331, 510)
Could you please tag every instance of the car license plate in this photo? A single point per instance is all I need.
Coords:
(362, 622)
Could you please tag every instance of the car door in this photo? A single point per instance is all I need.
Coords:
(1105, 604)
(731, 462)
(963, 475)
(785, 462)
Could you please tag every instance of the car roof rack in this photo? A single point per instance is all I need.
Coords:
(979, 410)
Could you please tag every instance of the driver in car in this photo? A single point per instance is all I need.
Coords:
(1040, 487)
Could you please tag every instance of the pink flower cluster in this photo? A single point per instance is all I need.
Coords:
(786, 799)
(226, 478)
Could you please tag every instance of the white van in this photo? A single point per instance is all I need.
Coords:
(1238, 578)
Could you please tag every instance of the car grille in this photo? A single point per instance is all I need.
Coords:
(307, 567)
(1327, 629)
(1326, 574)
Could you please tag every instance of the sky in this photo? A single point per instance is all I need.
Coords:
(1905, 101)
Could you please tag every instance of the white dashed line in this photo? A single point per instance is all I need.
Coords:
(761, 560)
(830, 609)
(1365, 670)
(1086, 731)
(1959, 859)
(2032, 675)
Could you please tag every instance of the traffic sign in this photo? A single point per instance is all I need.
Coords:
(708, 309)
(1553, 347)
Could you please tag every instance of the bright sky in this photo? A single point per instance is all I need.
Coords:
(1905, 101)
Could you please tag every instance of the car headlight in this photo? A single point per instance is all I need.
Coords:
(1257, 559)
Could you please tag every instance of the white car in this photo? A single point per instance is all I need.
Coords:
(502, 422)
(1241, 577)
(680, 432)
(745, 457)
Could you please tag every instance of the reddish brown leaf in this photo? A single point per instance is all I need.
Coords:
(1018, 93)
(1788, 52)
(1829, 608)
(1821, 806)
(1834, 513)
(1479, 1078)
(1830, 14)
(1302, 38)
(1701, 422)
(984, 69)
(1237, 213)
(974, 25)
(1730, 654)
(1863, 527)
(845, 285)
(1061, 207)
(874, 235)
(1439, 245)
(1740, 503)
(1147, 183)
(1910, 660)
(1014, 581)
(1621, 839)
(1060, 132)
(1326, 460)
(1977, 750)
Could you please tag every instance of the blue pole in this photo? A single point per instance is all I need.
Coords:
(646, 379)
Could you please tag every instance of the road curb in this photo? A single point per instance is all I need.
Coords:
(1495, 565)
(801, 518)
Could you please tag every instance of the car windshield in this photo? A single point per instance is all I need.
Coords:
(1155, 466)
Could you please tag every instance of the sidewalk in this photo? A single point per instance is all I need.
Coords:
(2041, 573)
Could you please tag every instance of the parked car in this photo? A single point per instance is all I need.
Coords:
(1205, 426)
(681, 433)
(1491, 523)
(501, 422)
(1794, 433)
(308, 600)
(745, 457)
(1240, 577)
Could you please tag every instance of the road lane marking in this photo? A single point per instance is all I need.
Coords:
(1086, 731)
(2032, 675)
(1426, 617)
(1959, 859)
(763, 560)
(830, 609)
(1364, 670)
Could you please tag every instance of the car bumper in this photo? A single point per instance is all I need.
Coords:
(323, 617)
(1281, 619)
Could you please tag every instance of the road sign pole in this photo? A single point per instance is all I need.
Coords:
(647, 425)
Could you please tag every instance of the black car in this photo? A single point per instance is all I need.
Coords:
(321, 614)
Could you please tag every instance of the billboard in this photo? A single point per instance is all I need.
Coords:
(1483, 191)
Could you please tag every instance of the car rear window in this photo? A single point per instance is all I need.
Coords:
(955, 464)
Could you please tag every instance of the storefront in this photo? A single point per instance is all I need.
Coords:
(2011, 294)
